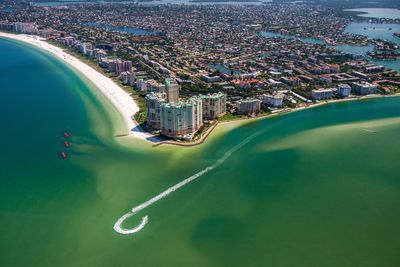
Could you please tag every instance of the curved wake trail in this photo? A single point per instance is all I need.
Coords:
(118, 225)
(368, 130)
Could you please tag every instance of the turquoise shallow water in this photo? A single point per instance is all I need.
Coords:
(319, 187)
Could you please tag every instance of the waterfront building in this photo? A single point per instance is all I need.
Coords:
(140, 85)
(274, 100)
(85, 48)
(153, 108)
(105, 63)
(321, 94)
(214, 105)
(364, 88)
(172, 91)
(248, 106)
(118, 66)
(181, 119)
(68, 41)
(154, 86)
(99, 54)
(7, 26)
(23, 27)
(127, 77)
(126, 65)
(343, 90)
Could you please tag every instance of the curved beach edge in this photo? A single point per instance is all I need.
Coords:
(121, 100)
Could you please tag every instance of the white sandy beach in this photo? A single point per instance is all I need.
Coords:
(120, 99)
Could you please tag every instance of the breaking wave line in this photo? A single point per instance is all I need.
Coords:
(125, 231)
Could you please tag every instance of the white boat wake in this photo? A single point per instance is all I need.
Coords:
(125, 231)
(368, 130)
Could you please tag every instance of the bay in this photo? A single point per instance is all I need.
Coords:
(389, 13)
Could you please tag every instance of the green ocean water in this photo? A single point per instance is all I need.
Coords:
(318, 187)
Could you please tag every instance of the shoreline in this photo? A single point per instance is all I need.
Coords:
(191, 143)
(121, 100)
(314, 105)
(284, 111)
(127, 107)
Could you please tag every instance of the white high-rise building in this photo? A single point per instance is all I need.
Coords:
(24, 27)
(365, 88)
(343, 90)
(321, 94)
(127, 77)
(153, 108)
(118, 66)
(275, 100)
(214, 105)
(181, 119)
(85, 48)
(248, 105)
(141, 85)
(172, 91)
